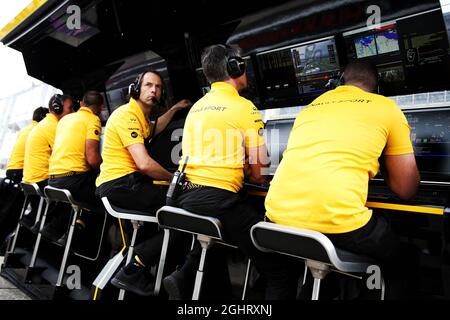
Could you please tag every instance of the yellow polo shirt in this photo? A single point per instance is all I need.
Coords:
(38, 149)
(333, 149)
(126, 126)
(16, 159)
(69, 151)
(216, 131)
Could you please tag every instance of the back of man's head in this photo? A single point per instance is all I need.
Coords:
(93, 100)
(39, 114)
(214, 61)
(56, 102)
(362, 74)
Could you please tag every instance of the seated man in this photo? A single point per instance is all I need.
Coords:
(127, 172)
(14, 169)
(222, 130)
(75, 160)
(39, 146)
(332, 152)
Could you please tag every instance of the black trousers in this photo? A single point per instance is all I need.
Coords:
(81, 186)
(15, 175)
(399, 261)
(237, 217)
(137, 192)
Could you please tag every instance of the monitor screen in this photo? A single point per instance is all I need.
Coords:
(277, 135)
(277, 75)
(314, 64)
(365, 46)
(430, 135)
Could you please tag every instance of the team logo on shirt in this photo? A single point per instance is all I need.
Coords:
(261, 132)
(134, 134)
(96, 132)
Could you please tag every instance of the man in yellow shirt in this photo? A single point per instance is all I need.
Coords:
(223, 134)
(333, 150)
(75, 159)
(14, 169)
(127, 171)
(39, 146)
(40, 141)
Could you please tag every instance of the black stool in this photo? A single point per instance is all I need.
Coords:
(208, 230)
(29, 189)
(316, 249)
(137, 218)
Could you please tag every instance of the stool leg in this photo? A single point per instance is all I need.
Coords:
(316, 289)
(16, 234)
(38, 215)
(199, 276)
(129, 255)
(162, 261)
(38, 239)
(247, 273)
(67, 248)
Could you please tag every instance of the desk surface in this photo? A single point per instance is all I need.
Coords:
(434, 210)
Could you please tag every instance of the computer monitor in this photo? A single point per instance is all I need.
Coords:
(430, 135)
(314, 64)
(277, 135)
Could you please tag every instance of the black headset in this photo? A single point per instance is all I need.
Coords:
(134, 90)
(57, 104)
(235, 64)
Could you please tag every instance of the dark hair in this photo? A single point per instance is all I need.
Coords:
(214, 61)
(93, 99)
(39, 113)
(363, 72)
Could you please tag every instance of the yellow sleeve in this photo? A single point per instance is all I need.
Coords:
(94, 129)
(252, 126)
(399, 140)
(129, 130)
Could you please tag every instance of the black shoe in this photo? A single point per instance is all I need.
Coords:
(27, 222)
(141, 282)
(51, 235)
(177, 286)
(35, 228)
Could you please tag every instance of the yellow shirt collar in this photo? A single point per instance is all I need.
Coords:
(135, 107)
(86, 109)
(51, 117)
(349, 88)
(224, 87)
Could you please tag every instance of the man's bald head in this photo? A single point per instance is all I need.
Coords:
(362, 74)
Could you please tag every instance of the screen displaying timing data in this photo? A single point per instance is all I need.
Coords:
(430, 136)
(277, 135)
(314, 64)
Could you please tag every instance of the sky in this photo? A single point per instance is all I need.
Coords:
(13, 74)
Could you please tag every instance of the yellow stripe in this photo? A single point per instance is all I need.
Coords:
(402, 207)
(18, 19)
(121, 251)
(136, 257)
(161, 183)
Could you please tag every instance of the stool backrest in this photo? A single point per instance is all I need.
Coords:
(182, 220)
(306, 244)
(60, 195)
(31, 189)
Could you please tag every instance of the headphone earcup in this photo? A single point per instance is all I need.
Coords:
(57, 105)
(235, 67)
